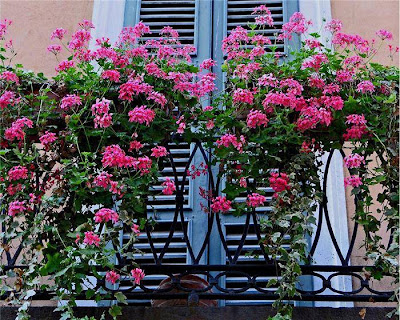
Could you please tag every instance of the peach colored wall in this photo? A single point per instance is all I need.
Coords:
(366, 17)
(33, 22)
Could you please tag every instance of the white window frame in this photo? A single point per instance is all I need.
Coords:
(325, 254)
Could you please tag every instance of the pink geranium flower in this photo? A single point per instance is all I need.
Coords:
(243, 96)
(353, 181)
(221, 204)
(256, 200)
(279, 182)
(141, 115)
(365, 86)
(58, 33)
(69, 101)
(159, 152)
(256, 119)
(16, 207)
(354, 160)
(138, 275)
(105, 215)
(168, 186)
(17, 173)
(91, 239)
(112, 277)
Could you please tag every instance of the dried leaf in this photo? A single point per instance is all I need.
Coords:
(362, 313)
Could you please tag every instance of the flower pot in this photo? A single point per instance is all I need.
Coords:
(190, 282)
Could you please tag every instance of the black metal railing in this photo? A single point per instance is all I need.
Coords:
(250, 277)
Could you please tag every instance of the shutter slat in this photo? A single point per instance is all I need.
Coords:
(171, 9)
(239, 13)
(167, 16)
(254, 3)
(272, 9)
(167, 2)
(181, 15)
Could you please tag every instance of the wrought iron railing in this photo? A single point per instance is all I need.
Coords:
(253, 274)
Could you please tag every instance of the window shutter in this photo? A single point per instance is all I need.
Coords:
(227, 15)
(180, 154)
(239, 14)
(204, 24)
(184, 16)
(178, 14)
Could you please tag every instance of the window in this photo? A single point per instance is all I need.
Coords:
(203, 24)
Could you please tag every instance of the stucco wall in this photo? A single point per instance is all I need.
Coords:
(365, 18)
(33, 22)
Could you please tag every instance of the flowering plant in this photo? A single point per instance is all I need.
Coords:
(284, 112)
(80, 152)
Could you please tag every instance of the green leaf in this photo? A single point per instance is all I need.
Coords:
(120, 297)
(115, 311)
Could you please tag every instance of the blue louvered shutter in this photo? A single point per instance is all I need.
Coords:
(188, 17)
(204, 24)
(227, 15)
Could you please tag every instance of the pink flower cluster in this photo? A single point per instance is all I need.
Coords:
(8, 99)
(16, 207)
(133, 88)
(229, 139)
(256, 118)
(353, 181)
(9, 76)
(168, 186)
(384, 34)
(256, 200)
(297, 24)
(221, 204)
(100, 111)
(365, 86)
(112, 75)
(104, 180)
(104, 215)
(54, 48)
(143, 164)
(17, 173)
(354, 160)
(91, 239)
(4, 24)
(16, 130)
(138, 275)
(136, 229)
(207, 64)
(58, 33)
(114, 156)
(264, 16)
(159, 152)
(112, 277)
(358, 127)
(334, 25)
(47, 139)
(279, 182)
(141, 115)
(181, 125)
(69, 101)
(65, 65)
(315, 62)
(243, 96)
